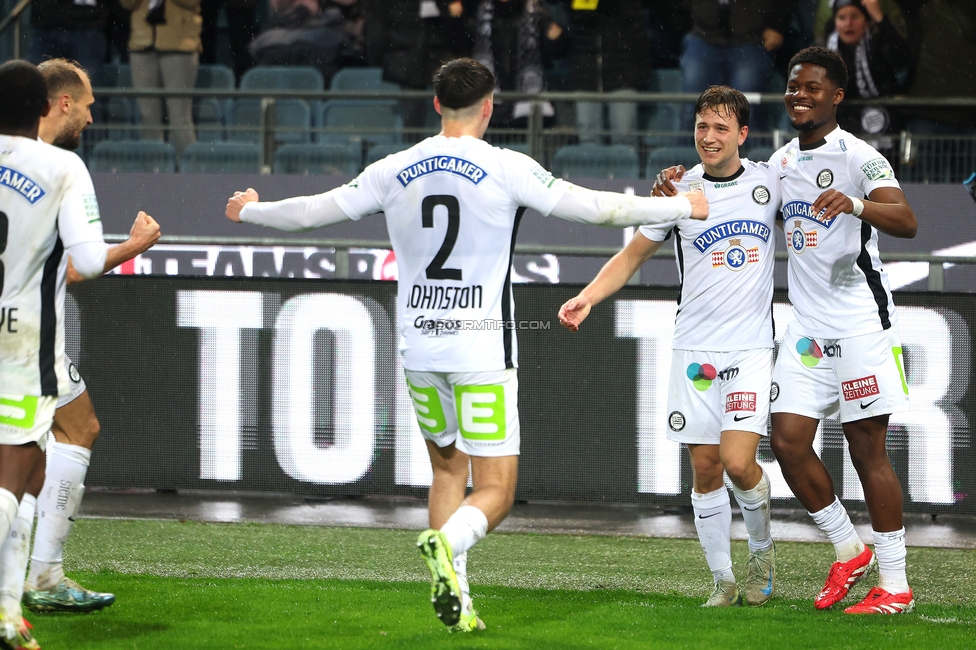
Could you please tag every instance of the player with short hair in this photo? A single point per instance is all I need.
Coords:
(48, 211)
(453, 204)
(718, 395)
(840, 355)
(75, 426)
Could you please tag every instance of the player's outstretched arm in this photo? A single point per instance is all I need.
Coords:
(887, 210)
(615, 210)
(614, 274)
(295, 214)
(142, 236)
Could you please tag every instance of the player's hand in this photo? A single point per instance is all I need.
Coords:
(699, 204)
(772, 40)
(144, 233)
(664, 182)
(832, 203)
(573, 312)
(237, 202)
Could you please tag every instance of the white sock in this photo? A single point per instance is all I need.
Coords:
(836, 525)
(891, 552)
(461, 569)
(713, 519)
(13, 558)
(8, 516)
(57, 505)
(754, 504)
(466, 527)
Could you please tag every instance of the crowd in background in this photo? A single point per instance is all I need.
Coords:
(892, 47)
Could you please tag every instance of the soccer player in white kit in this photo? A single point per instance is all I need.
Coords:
(840, 356)
(55, 491)
(453, 204)
(48, 211)
(718, 395)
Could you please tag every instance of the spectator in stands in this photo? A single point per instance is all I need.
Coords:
(731, 44)
(512, 37)
(878, 60)
(68, 30)
(610, 53)
(668, 22)
(117, 32)
(164, 51)
(242, 27)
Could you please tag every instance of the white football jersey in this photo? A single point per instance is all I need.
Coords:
(725, 263)
(47, 205)
(452, 209)
(837, 284)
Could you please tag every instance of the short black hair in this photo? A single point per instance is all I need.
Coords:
(733, 101)
(462, 83)
(23, 95)
(63, 76)
(829, 60)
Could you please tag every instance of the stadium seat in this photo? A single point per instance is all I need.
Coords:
(666, 80)
(282, 77)
(664, 157)
(215, 76)
(293, 121)
(371, 121)
(758, 154)
(381, 151)
(316, 159)
(361, 79)
(118, 114)
(210, 114)
(665, 127)
(133, 156)
(221, 158)
(113, 75)
(596, 161)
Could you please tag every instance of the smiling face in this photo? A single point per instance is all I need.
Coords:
(850, 24)
(811, 101)
(717, 138)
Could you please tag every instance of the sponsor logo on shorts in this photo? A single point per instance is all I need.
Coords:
(729, 373)
(676, 421)
(702, 375)
(740, 402)
(760, 194)
(825, 179)
(860, 388)
(73, 373)
(810, 352)
(774, 392)
(864, 406)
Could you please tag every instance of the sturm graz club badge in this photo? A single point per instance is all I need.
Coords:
(760, 194)
(773, 392)
(73, 373)
(825, 179)
(676, 421)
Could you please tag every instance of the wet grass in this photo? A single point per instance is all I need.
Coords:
(268, 586)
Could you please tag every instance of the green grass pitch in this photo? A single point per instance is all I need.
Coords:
(192, 585)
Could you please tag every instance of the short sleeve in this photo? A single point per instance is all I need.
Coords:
(657, 232)
(79, 220)
(363, 195)
(532, 185)
(869, 170)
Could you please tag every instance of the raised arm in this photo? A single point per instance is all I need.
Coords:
(614, 274)
(295, 214)
(142, 236)
(616, 210)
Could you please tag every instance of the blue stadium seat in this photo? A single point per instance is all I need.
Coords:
(133, 156)
(596, 161)
(293, 121)
(371, 121)
(664, 157)
(221, 158)
(666, 80)
(210, 114)
(215, 76)
(282, 77)
(665, 125)
(316, 159)
(118, 114)
(381, 151)
(758, 154)
(361, 79)
(113, 75)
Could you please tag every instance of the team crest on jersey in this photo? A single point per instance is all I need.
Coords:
(798, 240)
(737, 228)
(804, 210)
(21, 184)
(760, 194)
(697, 186)
(736, 256)
(444, 164)
(788, 156)
(825, 179)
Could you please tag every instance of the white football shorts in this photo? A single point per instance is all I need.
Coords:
(478, 411)
(25, 419)
(712, 392)
(853, 378)
(75, 380)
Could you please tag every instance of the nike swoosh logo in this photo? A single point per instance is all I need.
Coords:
(864, 406)
(745, 417)
(768, 589)
(707, 516)
(754, 509)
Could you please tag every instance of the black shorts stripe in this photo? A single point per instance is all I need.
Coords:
(49, 320)
(873, 276)
(507, 307)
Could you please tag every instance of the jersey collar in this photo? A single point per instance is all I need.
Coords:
(726, 179)
(819, 143)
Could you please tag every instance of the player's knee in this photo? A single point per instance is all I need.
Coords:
(90, 431)
(783, 449)
(739, 468)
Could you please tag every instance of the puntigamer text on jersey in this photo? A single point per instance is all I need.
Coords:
(22, 184)
(450, 164)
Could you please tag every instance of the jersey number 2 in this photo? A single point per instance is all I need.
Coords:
(436, 270)
(4, 225)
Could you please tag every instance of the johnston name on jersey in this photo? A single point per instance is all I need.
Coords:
(837, 284)
(454, 256)
(47, 205)
(725, 263)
